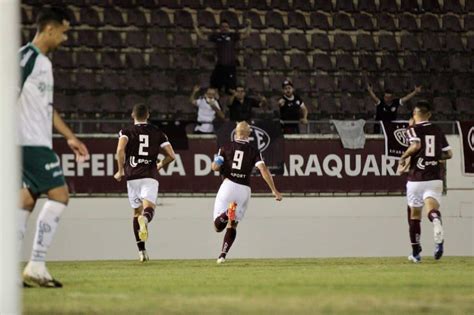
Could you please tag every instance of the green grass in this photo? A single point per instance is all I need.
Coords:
(259, 286)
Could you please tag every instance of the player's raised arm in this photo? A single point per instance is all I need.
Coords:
(121, 145)
(267, 176)
(76, 145)
(169, 156)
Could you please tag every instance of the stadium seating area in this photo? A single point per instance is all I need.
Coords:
(123, 51)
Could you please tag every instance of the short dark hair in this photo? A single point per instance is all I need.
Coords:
(141, 111)
(388, 91)
(51, 15)
(423, 106)
(240, 85)
(224, 21)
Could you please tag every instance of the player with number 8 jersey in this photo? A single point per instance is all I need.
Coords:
(236, 161)
(428, 152)
(137, 159)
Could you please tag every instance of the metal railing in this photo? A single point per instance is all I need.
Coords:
(324, 127)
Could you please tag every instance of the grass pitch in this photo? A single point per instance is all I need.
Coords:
(263, 286)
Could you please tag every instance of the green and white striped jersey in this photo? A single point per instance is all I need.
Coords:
(36, 98)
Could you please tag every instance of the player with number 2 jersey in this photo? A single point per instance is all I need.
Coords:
(137, 158)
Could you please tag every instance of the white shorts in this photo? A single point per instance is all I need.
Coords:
(232, 192)
(417, 192)
(142, 189)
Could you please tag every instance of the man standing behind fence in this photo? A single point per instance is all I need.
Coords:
(292, 109)
(240, 108)
(387, 106)
(225, 71)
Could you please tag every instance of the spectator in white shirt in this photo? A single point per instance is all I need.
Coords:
(208, 107)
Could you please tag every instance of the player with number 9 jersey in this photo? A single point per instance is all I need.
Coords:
(239, 160)
(236, 161)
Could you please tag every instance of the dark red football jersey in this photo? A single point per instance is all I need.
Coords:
(141, 153)
(239, 160)
(425, 164)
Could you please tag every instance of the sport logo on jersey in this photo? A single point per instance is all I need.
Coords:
(258, 136)
(134, 162)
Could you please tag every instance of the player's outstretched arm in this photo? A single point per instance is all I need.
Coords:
(76, 145)
(269, 180)
(169, 156)
(121, 145)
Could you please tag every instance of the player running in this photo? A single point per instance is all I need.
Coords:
(428, 149)
(41, 170)
(137, 154)
(235, 161)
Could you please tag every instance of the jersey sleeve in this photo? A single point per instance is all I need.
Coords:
(444, 144)
(412, 136)
(164, 140)
(258, 159)
(220, 152)
(125, 133)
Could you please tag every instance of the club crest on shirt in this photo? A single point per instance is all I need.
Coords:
(258, 136)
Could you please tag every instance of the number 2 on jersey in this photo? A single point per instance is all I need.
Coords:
(238, 157)
(144, 142)
(430, 146)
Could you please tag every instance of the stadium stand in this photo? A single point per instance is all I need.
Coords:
(123, 51)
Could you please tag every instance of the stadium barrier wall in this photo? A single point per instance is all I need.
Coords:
(311, 166)
(363, 226)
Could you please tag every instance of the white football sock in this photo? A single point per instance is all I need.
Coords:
(22, 219)
(46, 225)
